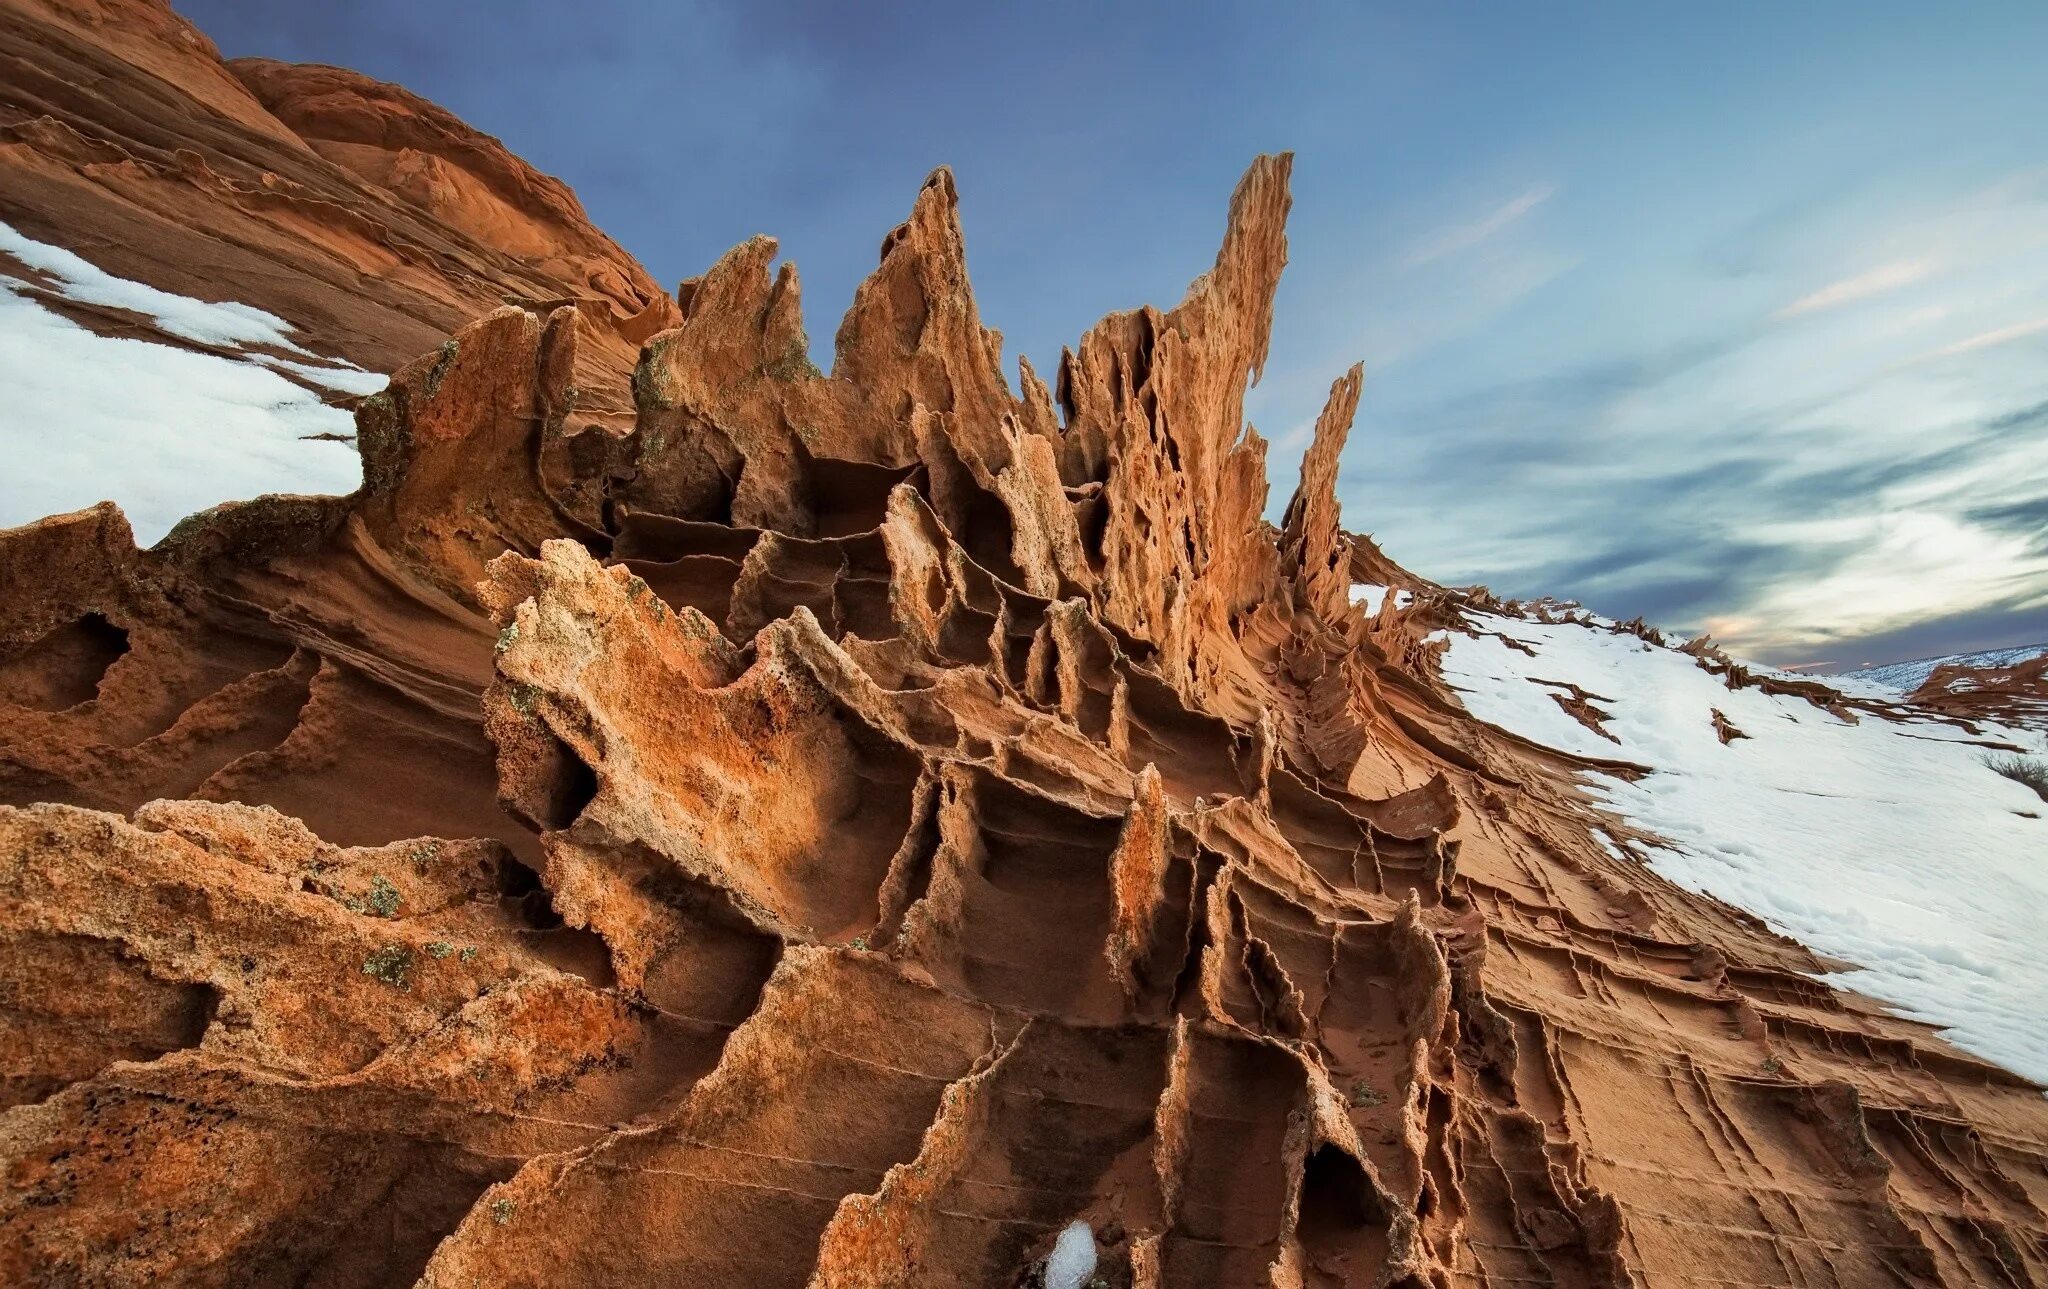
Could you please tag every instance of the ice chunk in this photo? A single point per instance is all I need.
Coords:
(1072, 1259)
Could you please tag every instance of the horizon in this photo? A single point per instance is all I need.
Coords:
(1731, 322)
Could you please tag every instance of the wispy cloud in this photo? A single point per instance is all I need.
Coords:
(1895, 568)
(1988, 339)
(1781, 498)
(1861, 482)
(1877, 281)
(1446, 242)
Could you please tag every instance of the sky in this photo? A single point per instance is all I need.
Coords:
(1731, 316)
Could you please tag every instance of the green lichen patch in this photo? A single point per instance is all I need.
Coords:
(439, 371)
(439, 949)
(391, 964)
(650, 388)
(793, 362)
(384, 897)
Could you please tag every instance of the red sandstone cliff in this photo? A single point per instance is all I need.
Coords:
(371, 220)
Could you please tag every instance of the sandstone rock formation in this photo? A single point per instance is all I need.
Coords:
(848, 828)
(839, 829)
(372, 221)
(2015, 694)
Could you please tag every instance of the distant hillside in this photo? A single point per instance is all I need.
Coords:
(1910, 675)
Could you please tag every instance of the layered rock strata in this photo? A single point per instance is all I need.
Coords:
(844, 829)
(372, 221)
(2014, 695)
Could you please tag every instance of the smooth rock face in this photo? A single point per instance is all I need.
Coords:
(372, 221)
(845, 830)
(464, 179)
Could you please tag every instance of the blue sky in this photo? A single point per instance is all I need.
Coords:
(1735, 316)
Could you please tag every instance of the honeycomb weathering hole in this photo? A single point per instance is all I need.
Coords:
(63, 668)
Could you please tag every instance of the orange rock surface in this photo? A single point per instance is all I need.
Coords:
(2016, 695)
(371, 220)
(840, 829)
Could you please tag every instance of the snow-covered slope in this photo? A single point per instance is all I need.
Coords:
(1905, 677)
(161, 429)
(1372, 596)
(1888, 844)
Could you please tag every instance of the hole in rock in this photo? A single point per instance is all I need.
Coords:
(573, 786)
(646, 535)
(988, 536)
(1188, 982)
(63, 668)
(201, 1003)
(1092, 514)
(537, 911)
(1336, 1205)
(849, 497)
(94, 1005)
(861, 596)
(920, 844)
(546, 935)
(578, 789)
(516, 882)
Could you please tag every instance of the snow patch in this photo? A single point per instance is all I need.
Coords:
(1888, 844)
(227, 325)
(1372, 597)
(1905, 677)
(344, 379)
(163, 432)
(1072, 1259)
